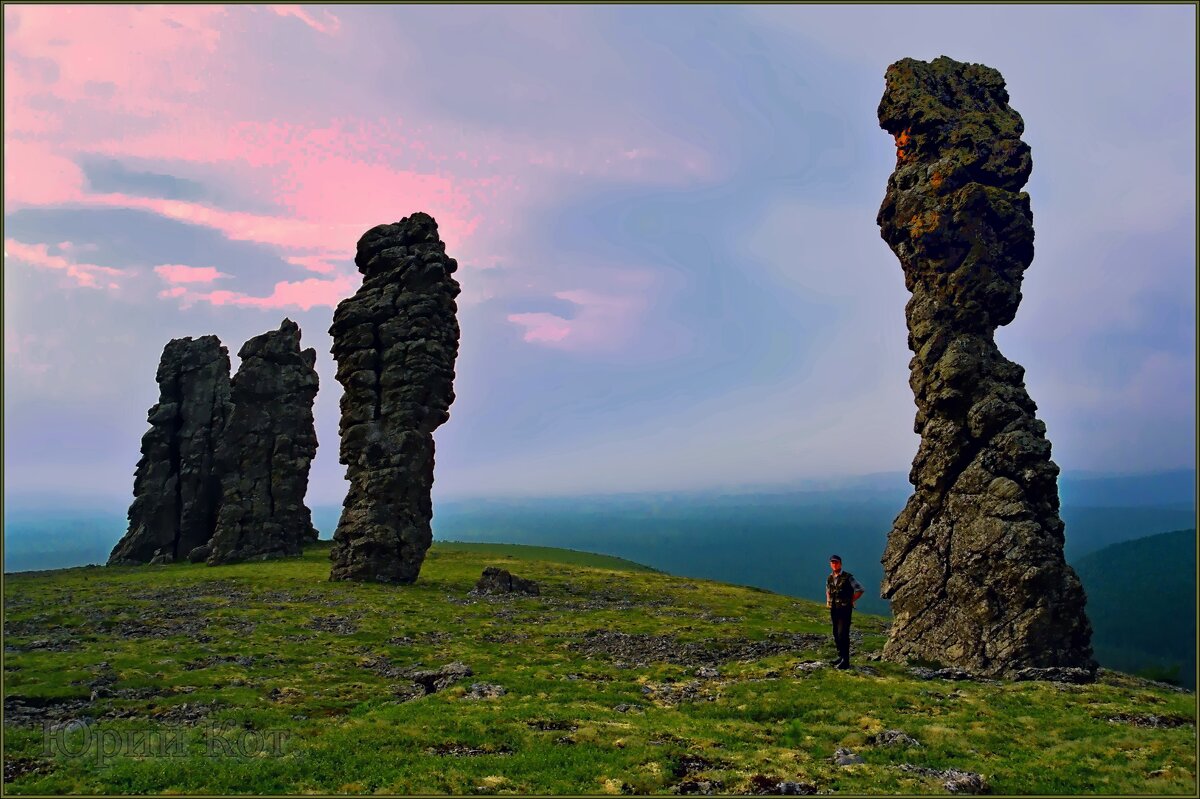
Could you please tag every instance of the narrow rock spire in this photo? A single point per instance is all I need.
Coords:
(395, 342)
(266, 451)
(176, 488)
(974, 563)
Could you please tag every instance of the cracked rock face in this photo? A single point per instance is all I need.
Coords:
(176, 488)
(974, 563)
(395, 342)
(266, 450)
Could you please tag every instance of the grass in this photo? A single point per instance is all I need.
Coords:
(311, 674)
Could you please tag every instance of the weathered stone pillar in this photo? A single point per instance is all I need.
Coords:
(974, 563)
(395, 342)
(266, 451)
(176, 488)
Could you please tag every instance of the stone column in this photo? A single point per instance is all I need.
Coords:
(176, 487)
(266, 452)
(974, 563)
(395, 342)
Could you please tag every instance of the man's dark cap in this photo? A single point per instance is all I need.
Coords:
(838, 558)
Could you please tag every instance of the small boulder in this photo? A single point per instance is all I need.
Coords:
(956, 781)
(892, 738)
(500, 581)
(762, 785)
(200, 554)
(161, 557)
(434, 680)
(923, 673)
(484, 690)
(1068, 674)
(844, 757)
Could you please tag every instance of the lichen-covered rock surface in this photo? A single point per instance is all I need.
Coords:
(176, 487)
(974, 563)
(395, 342)
(266, 450)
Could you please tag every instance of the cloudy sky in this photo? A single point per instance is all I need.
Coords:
(665, 220)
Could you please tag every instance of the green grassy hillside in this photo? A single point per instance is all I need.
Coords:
(267, 678)
(1141, 600)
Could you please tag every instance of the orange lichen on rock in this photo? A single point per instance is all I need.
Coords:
(935, 180)
(923, 223)
(902, 141)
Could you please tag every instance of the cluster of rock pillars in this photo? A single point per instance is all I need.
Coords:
(974, 565)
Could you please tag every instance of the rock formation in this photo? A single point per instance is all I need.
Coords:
(974, 563)
(176, 489)
(395, 342)
(265, 453)
(495, 580)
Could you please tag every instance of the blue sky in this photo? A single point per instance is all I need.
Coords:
(665, 217)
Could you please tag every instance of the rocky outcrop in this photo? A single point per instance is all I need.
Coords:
(176, 488)
(395, 342)
(265, 453)
(495, 580)
(974, 563)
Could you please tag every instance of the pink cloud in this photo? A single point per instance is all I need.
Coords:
(38, 255)
(91, 45)
(178, 273)
(34, 174)
(299, 13)
(316, 263)
(544, 328)
(603, 321)
(303, 294)
(169, 83)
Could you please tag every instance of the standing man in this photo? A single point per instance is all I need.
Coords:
(841, 592)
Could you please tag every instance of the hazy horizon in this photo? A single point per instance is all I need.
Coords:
(865, 487)
(664, 216)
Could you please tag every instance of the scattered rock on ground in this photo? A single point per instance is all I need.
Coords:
(762, 785)
(464, 750)
(434, 680)
(161, 558)
(695, 787)
(484, 690)
(500, 581)
(953, 780)
(642, 650)
(674, 694)
(923, 673)
(844, 757)
(1151, 720)
(1065, 674)
(545, 725)
(17, 767)
(892, 738)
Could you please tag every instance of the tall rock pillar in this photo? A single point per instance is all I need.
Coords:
(395, 342)
(177, 487)
(266, 451)
(974, 563)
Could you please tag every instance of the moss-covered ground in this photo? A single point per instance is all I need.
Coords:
(268, 678)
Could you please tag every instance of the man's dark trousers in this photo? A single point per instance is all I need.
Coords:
(841, 631)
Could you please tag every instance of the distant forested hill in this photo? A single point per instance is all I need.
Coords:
(1142, 603)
